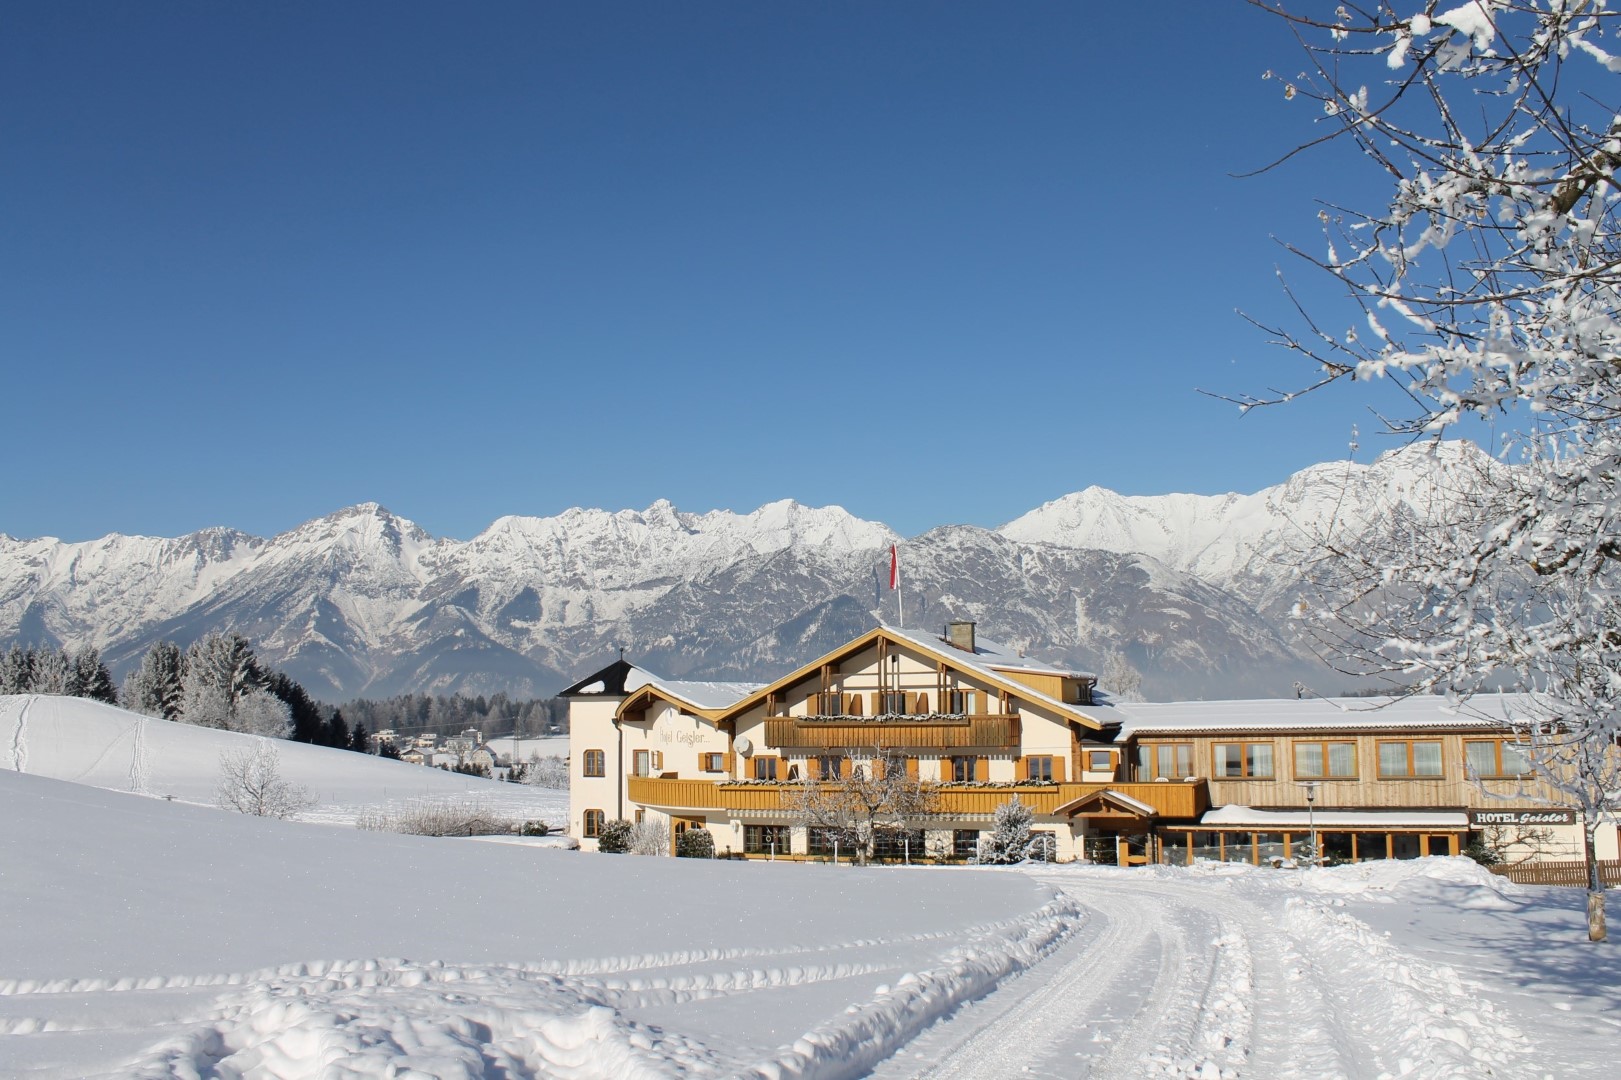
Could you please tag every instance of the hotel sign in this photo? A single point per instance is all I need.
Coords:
(1522, 817)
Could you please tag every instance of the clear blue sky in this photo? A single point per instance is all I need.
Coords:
(936, 263)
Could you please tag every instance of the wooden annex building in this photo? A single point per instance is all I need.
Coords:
(978, 725)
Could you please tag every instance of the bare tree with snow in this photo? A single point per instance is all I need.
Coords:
(251, 783)
(869, 793)
(1486, 288)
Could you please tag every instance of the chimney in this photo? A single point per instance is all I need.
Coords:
(961, 635)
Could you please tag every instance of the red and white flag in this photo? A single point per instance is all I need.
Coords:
(894, 569)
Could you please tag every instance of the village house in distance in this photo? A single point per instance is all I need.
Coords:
(1238, 781)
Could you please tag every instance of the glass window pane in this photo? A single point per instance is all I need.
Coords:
(1308, 759)
(1481, 757)
(1184, 759)
(1342, 759)
(1516, 760)
(1427, 759)
(1260, 759)
(1392, 759)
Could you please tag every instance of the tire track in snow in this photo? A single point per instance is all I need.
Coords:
(1042, 1012)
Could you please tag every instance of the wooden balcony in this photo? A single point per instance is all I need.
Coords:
(924, 733)
(1177, 800)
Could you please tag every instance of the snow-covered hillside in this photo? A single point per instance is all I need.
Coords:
(90, 743)
(1189, 589)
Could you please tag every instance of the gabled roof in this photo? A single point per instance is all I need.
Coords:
(981, 666)
(619, 677)
(1106, 802)
(710, 700)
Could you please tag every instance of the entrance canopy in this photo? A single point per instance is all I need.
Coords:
(1106, 805)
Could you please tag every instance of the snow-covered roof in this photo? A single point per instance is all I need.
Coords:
(987, 654)
(705, 695)
(1265, 820)
(1312, 714)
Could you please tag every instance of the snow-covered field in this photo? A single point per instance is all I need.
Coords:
(144, 937)
(90, 743)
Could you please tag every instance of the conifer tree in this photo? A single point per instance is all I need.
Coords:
(91, 679)
(16, 670)
(155, 688)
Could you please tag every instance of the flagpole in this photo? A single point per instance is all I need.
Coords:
(895, 584)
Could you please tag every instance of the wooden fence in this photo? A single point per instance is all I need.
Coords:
(1561, 873)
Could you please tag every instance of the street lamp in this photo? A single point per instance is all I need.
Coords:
(1311, 818)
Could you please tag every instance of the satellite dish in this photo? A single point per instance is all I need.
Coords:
(743, 745)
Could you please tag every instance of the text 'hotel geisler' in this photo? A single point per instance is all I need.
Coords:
(980, 725)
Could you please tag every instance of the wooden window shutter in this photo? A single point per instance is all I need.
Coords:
(658, 760)
(920, 703)
(911, 768)
(877, 703)
(878, 768)
(728, 762)
(1024, 773)
(852, 704)
(1058, 768)
(982, 769)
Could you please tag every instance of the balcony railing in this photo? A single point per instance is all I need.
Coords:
(1178, 800)
(923, 733)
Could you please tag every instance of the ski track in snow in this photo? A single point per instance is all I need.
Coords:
(1192, 979)
(137, 759)
(19, 736)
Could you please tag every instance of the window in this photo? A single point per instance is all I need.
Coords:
(1039, 769)
(1099, 761)
(1169, 761)
(828, 767)
(1495, 757)
(964, 843)
(827, 704)
(765, 768)
(1244, 760)
(1397, 759)
(962, 770)
(647, 762)
(820, 842)
(961, 702)
(897, 844)
(1325, 760)
(595, 763)
(711, 762)
(893, 702)
(765, 839)
(593, 824)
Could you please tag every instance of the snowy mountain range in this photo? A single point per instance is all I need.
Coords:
(1193, 591)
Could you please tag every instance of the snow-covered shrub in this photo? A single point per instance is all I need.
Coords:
(695, 844)
(650, 837)
(615, 836)
(427, 817)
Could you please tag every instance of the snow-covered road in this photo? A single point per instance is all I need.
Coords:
(1214, 976)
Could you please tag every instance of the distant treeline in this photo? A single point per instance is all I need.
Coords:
(219, 682)
(427, 714)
